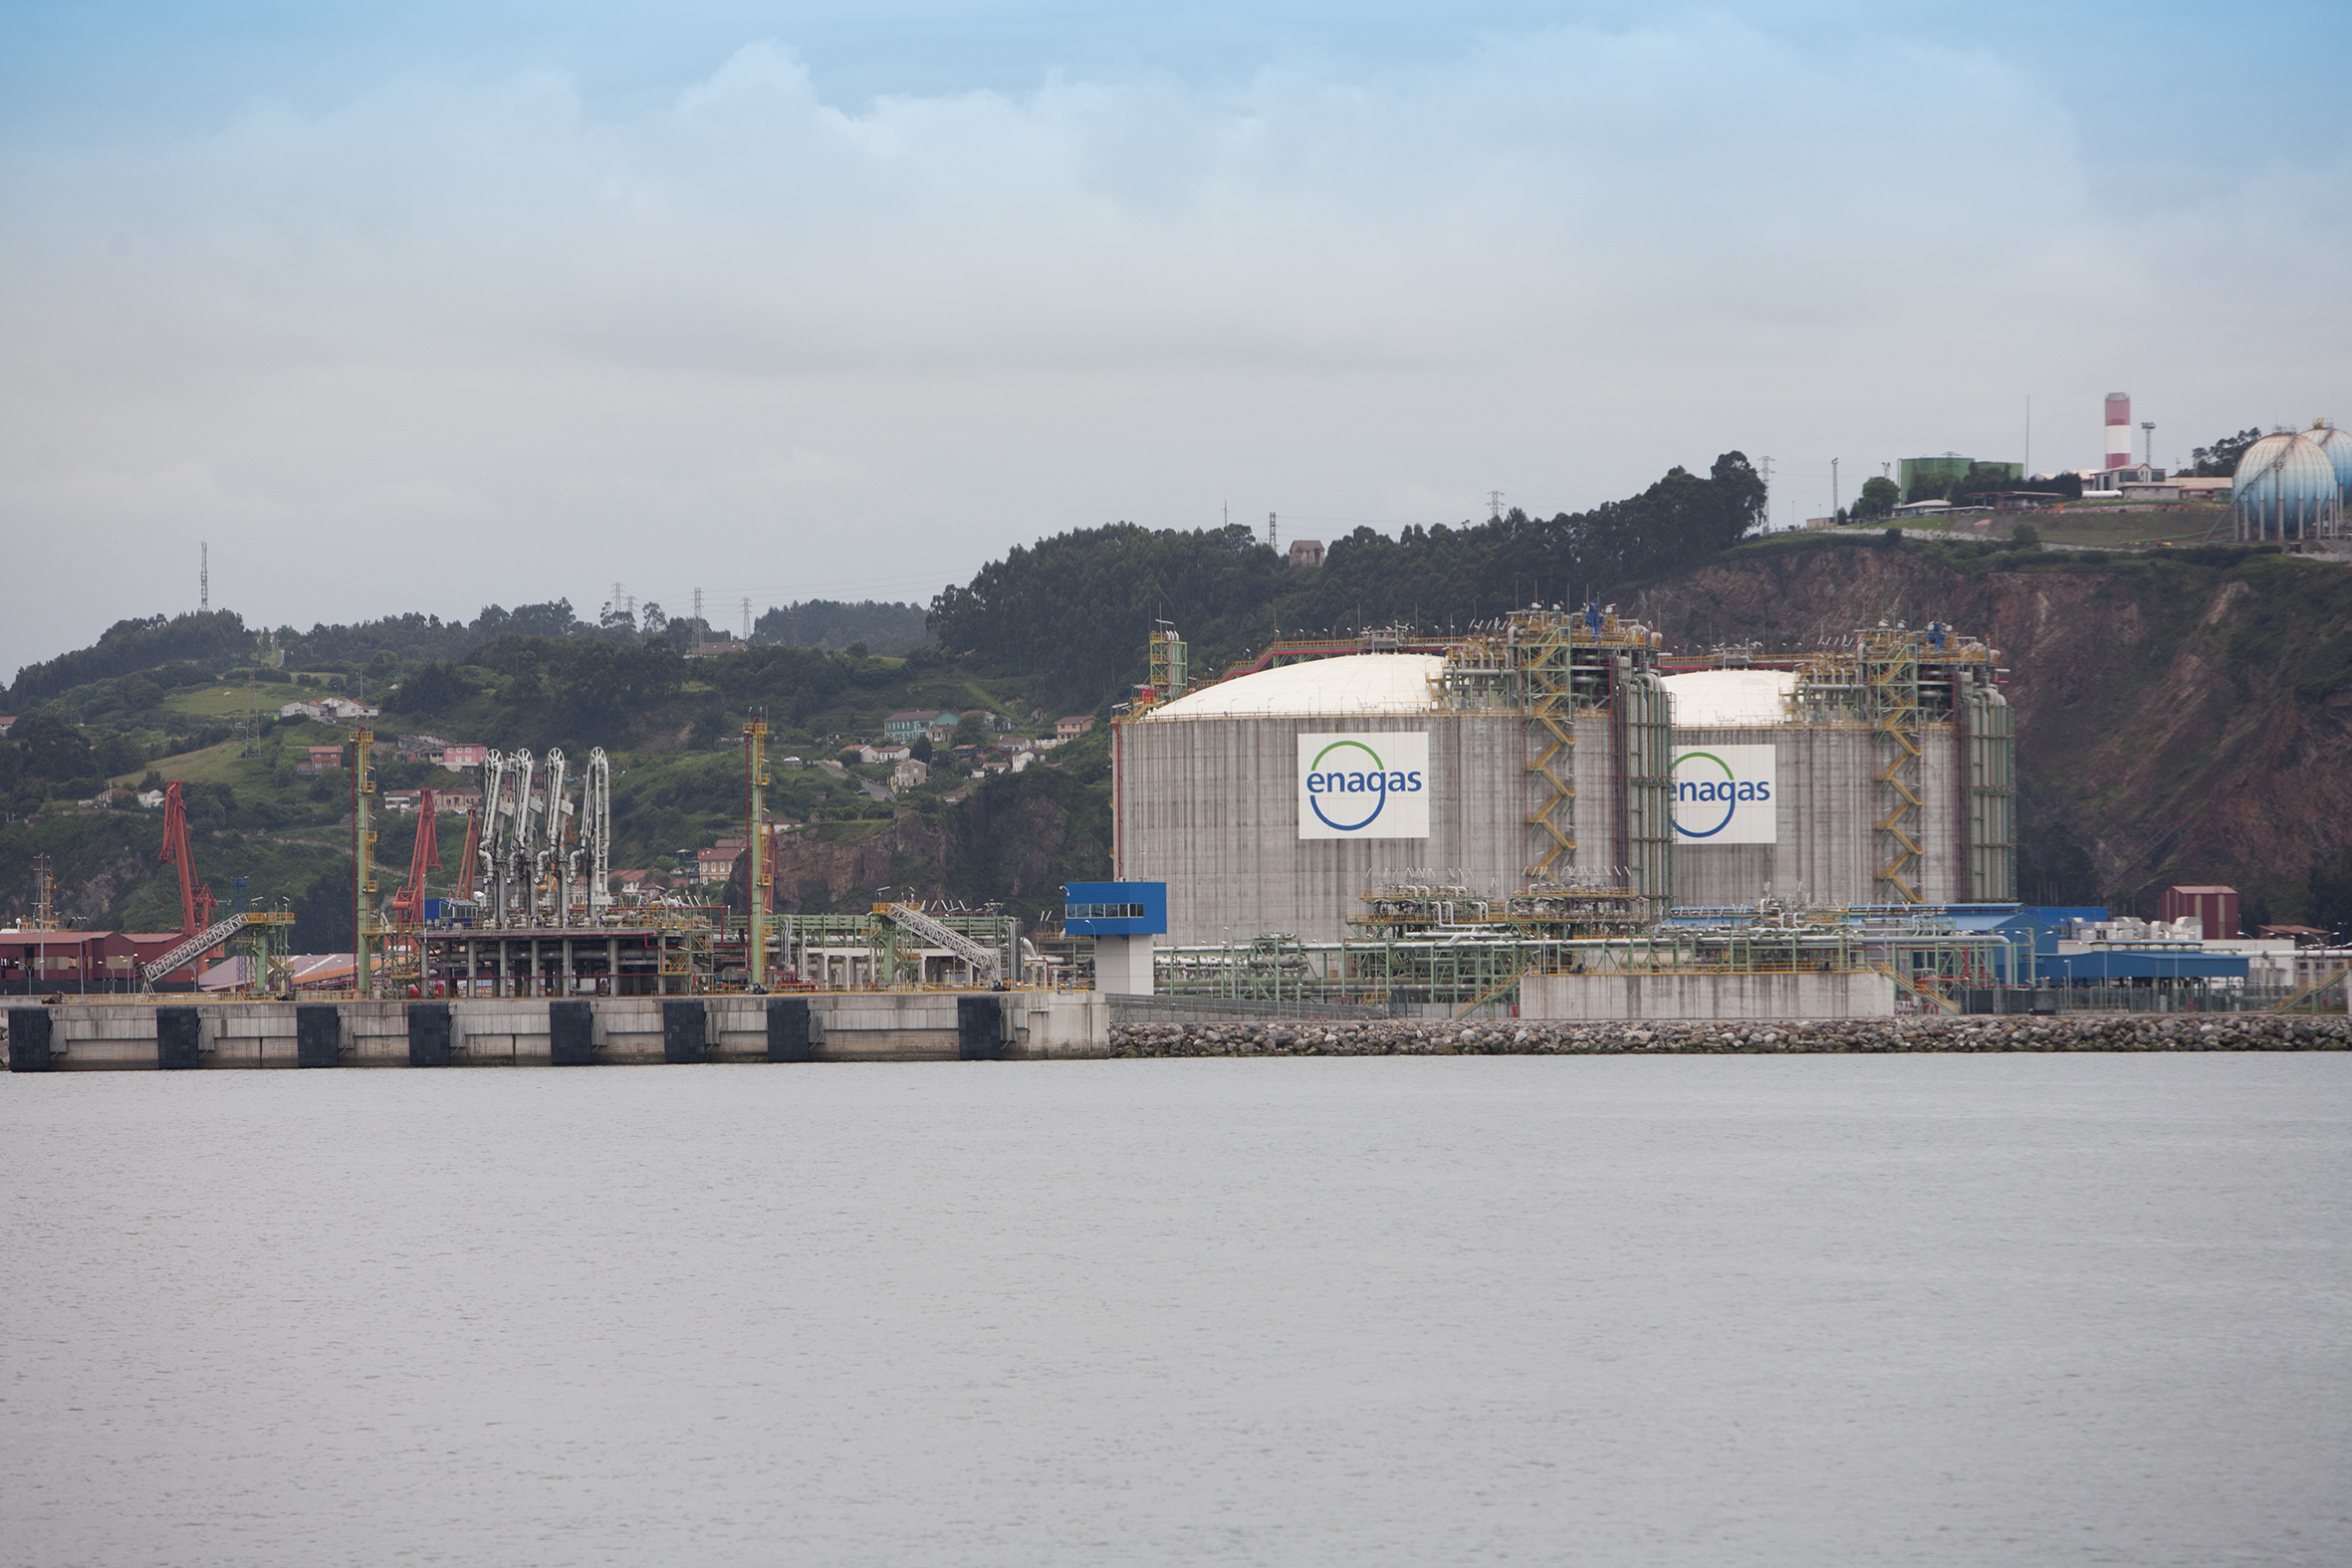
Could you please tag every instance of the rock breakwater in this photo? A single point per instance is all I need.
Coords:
(1518, 1037)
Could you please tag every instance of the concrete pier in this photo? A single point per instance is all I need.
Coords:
(522, 1031)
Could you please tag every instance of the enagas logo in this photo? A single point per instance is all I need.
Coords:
(1363, 785)
(1723, 795)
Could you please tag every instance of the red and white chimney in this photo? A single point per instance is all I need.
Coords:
(2119, 430)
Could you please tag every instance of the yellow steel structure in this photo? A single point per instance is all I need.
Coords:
(1889, 658)
(754, 852)
(1170, 667)
(1546, 656)
(362, 860)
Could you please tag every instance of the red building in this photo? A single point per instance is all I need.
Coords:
(35, 962)
(2215, 907)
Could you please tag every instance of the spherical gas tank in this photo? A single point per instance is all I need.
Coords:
(2285, 488)
(2337, 444)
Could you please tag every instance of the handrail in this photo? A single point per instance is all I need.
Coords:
(983, 959)
(1940, 1002)
(2312, 989)
(205, 941)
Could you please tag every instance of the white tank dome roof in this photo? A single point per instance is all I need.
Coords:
(1354, 682)
(1728, 699)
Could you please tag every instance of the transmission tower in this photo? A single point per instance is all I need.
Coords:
(204, 576)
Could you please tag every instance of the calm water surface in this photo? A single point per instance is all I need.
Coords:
(1727, 1310)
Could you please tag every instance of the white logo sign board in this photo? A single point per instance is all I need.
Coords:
(1725, 795)
(1363, 785)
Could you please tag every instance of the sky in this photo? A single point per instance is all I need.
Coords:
(430, 307)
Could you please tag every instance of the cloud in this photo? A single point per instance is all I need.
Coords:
(452, 341)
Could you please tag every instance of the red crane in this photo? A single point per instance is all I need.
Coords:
(470, 857)
(408, 903)
(195, 899)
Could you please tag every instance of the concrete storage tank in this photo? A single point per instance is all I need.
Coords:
(1531, 752)
(1879, 774)
(2286, 489)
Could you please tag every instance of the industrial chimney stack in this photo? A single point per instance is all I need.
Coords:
(2119, 430)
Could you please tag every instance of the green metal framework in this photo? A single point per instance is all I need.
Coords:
(1467, 966)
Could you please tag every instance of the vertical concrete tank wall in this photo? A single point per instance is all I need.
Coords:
(1646, 728)
(1826, 821)
(1208, 805)
(1990, 775)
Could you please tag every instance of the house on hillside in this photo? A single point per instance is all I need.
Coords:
(717, 863)
(1071, 728)
(912, 724)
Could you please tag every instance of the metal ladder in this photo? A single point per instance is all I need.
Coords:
(985, 962)
(202, 942)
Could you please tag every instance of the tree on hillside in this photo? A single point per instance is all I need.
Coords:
(429, 688)
(44, 747)
(214, 640)
(1075, 608)
(830, 624)
(1880, 496)
(322, 915)
(2220, 461)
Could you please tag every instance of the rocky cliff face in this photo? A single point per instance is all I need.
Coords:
(2178, 720)
(1015, 841)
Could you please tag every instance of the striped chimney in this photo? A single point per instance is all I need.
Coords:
(2119, 430)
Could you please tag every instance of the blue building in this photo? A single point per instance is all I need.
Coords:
(1122, 918)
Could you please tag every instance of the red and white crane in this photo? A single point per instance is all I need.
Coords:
(196, 898)
(408, 903)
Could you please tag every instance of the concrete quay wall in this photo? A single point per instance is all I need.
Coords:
(1726, 998)
(484, 1032)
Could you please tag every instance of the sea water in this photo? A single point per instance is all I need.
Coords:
(1706, 1311)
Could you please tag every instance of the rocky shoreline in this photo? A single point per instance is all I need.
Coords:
(1521, 1037)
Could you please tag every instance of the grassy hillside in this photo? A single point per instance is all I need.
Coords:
(671, 727)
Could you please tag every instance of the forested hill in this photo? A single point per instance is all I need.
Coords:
(376, 651)
(1071, 611)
